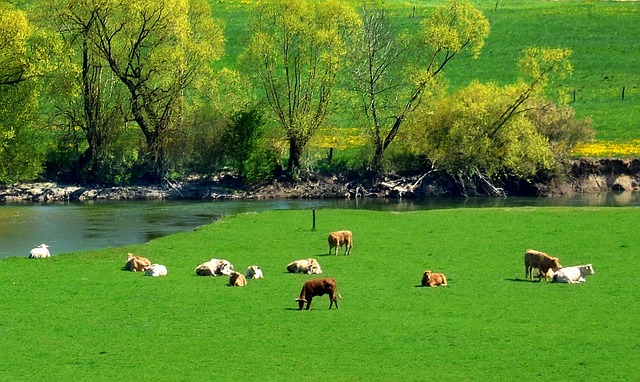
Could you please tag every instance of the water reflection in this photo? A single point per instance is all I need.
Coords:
(85, 226)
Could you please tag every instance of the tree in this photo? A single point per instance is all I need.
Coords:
(295, 51)
(90, 99)
(488, 132)
(389, 87)
(157, 49)
(25, 52)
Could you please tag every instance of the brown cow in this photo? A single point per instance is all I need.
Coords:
(433, 279)
(338, 239)
(540, 260)
(237, 279)
(318, 287)
(136, 263)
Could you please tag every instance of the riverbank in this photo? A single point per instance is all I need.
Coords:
(585, 177)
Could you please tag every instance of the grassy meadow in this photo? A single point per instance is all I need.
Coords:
(80, 317)
(603, 36)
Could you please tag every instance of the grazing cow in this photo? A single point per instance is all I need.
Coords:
(338, 239)
(214, 267)
(309, 266)
(156, 270)
(40, 252)
(136, 263)
(237, 279)
(318, 287)
(573, 275)
(433, 279)
(540, 260)
(254, 272)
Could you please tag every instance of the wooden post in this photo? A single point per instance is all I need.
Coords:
(414, 12)
(623, 93)
(574, 95)
(496, 8)
(314, 220)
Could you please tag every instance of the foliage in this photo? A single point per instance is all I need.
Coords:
(295, 51)
(379, 55)
(157, 50)
(24, 51)
(78, 314)
(243, 138)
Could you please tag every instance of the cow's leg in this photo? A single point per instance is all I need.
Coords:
(309, 303)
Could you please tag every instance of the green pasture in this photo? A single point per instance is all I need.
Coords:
(603, 35)
(80, 317)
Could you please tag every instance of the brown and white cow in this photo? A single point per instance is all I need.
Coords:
(214, 267)
(136, 263)
(254, 272)
(542, 261)
(433, 279)
(318, 287)
(338, 239)
(309, 266)
(237, 279)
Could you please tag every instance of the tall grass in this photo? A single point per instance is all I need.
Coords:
(80, 317)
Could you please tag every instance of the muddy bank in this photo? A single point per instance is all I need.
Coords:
(586, 176)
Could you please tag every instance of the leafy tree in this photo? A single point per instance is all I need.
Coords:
(88, 96)
(158, 50)
(388, 84)
(295, 51)
(488, 132)
(24, 60)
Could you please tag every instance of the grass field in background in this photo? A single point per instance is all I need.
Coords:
(80, 317)
(603, 36)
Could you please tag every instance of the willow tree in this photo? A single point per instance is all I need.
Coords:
(295, 52)
(380, 55)
(157, 49)
(486, 133)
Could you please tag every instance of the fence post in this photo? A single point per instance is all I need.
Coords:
(623, 93)
(314, 220)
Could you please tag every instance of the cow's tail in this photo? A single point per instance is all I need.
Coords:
(338, 295)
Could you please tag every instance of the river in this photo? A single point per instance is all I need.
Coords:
(71, 227)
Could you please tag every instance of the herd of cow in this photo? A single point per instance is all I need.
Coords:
(547, 266)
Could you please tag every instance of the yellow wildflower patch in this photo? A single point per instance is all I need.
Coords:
(339, 138)
(608, 149)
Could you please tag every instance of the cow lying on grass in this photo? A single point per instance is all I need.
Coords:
(573, 275)
(136, 263)
(237, 279)
(318, 287)
(214, 267)
(156, 270)
(40, 252)
(254, 272)
(338, 239)
(308, 266)
(433, 279)
(542, 261)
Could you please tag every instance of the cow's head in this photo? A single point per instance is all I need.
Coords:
(589, 269)
(555, 264)
(301, 302)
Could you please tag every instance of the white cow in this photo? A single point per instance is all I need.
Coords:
(309, 266)
(156, 270)
(254, 272)
(573, 275)
(40, 252)
(214, 267)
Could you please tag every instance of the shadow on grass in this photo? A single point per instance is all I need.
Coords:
(522, 281)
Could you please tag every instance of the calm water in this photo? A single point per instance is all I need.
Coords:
(74, 227)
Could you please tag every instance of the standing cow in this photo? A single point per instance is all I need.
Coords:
(338, 239)
(542, 261)
(318, 287)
